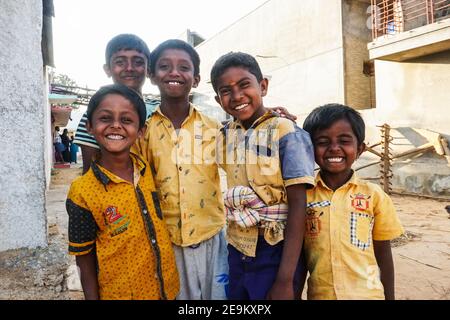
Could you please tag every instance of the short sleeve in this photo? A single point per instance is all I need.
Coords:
(387, 225)
(151, 106)
(82, 137)
(82, 229)
(297, 158)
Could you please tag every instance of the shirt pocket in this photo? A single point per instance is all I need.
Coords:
(361, 226)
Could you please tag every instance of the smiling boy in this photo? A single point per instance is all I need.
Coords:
(269, 165)
(116, 228)
(127, 60)
(350, 222)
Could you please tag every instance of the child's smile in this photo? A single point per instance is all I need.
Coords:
(240, 94)
(115, 124)
(336, 148)
(174, 73)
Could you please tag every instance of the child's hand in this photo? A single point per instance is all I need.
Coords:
(284, 113)
(281, 290)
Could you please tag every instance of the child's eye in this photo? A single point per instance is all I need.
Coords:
(139, 63)
(127, 120)
(185, 68)
(163, 66)
(321, 143)
(224, 92)
(245, 84)
(346, 141)
(119, 62)
(104, 118)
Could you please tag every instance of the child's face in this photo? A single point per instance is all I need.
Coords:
(115, 124)
(336, 148)
(128, 67)
(240, 94)
(174, 74)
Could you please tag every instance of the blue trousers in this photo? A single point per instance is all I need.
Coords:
(250, 278)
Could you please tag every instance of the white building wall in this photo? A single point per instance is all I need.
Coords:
(414, 93)
(298, 44)
(22, 132)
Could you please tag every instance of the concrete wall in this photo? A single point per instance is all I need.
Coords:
(356, 36)
(298, 45)
(22, 133)
(415, 93)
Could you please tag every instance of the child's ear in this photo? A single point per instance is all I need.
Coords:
(89, 127)
(107, 70)
(196, 81)
(264, 85)
(141, 131)
(361, 149)
(218, 100)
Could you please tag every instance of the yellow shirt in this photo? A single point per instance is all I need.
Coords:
(272, 155)
(124, 223)
(186, 175)
(340, 229)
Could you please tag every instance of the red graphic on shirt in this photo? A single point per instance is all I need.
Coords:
(313, 224)
(360, 201)
(112, 214)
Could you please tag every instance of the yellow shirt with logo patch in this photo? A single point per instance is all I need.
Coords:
(186, 175)
(340, 229)
(123, 222)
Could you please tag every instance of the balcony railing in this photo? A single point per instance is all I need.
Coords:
(395, 16)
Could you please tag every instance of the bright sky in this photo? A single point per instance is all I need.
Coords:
(82, 28)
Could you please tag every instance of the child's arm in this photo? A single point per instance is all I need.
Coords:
(302, 278)
(383, 254)
(293, 240)
(87, 154)
(88, 275)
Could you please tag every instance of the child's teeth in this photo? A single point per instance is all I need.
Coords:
(242, 106)
(115, 137)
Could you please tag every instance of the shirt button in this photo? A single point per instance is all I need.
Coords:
(153, 241)
(180, 168)
(145, 211)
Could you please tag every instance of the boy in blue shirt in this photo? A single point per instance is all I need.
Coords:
(269, 165)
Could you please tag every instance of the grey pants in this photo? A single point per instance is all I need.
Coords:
(203, 270)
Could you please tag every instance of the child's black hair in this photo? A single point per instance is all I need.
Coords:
(125, 92)
(126, 41)
(235, 59)
(323, 117)
(175, 44)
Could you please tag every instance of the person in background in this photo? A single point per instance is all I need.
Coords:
(73, 150)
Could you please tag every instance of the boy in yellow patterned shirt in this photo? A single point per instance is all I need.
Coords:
(350, 222)
(116, 227)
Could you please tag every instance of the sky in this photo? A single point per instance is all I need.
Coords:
(82, 28)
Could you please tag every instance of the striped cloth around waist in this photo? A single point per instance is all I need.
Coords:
(244, 207)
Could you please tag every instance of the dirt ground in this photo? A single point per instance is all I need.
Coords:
(421, 255)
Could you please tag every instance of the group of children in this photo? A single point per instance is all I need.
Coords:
(148, 219)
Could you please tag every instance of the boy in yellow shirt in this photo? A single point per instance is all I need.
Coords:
(116, 228)
(350, 222)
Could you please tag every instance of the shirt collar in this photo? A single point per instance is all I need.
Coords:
(354, 180)
(192, 108)
(269, 114)
(105, 177)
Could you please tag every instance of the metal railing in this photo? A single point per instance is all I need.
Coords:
(395, 16)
